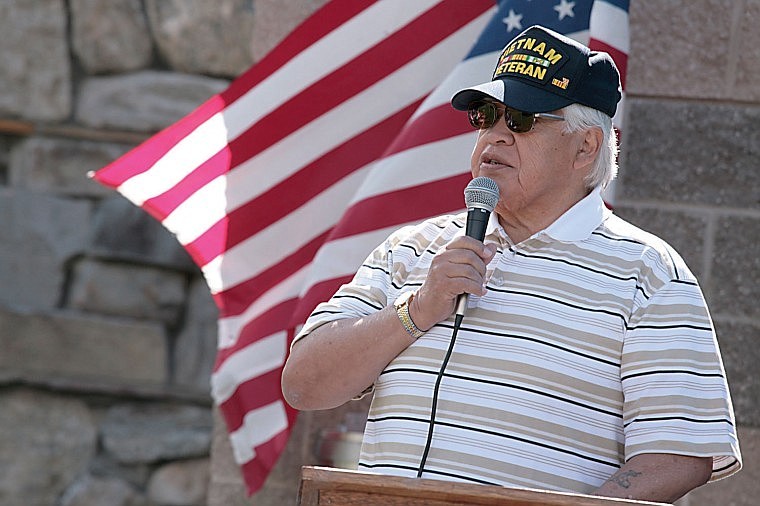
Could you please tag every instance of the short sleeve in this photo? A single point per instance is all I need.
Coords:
(365, 294)
(676, 398)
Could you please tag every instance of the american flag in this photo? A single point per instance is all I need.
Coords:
(279, 186)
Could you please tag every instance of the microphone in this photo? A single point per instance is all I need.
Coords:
(480, 197)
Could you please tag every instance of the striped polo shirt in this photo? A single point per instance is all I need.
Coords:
(593, 344)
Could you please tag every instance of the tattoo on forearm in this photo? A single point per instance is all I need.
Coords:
(623, 479)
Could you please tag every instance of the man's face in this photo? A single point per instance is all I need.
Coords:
(534, 170)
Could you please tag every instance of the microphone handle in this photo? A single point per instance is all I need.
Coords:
(477, 221)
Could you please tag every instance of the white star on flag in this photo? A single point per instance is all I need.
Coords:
(565, 8)
(513, 21)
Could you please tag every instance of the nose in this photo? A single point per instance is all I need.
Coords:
(499, 133)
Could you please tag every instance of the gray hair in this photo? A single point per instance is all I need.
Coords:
(580, 117)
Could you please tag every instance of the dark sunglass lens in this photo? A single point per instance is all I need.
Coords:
(519, 121)
(482, 115)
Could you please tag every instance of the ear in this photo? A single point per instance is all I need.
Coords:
(588, 148)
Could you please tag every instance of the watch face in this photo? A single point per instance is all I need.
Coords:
(403, 298)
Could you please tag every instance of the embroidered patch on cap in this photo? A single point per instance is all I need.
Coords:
(532, 59)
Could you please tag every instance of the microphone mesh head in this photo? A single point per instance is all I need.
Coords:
(483, 193)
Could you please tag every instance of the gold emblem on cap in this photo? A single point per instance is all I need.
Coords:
(561, 83)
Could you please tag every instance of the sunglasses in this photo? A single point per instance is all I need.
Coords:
(484, 115)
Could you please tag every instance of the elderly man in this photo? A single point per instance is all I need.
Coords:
(587, 360)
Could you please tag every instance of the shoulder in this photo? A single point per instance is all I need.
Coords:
(435, 230)
(651, 251)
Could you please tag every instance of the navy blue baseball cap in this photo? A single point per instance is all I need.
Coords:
(541, 70)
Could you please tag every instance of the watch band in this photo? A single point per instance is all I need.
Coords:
(402, 310)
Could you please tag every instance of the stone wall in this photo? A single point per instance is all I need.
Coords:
(107, 331)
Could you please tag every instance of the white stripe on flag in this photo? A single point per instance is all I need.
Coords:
(200, 145)
(288, 288)
(254, 255)
(264, 355)
(259, 426)
(342, 257)
(423, 164)
(609, 24)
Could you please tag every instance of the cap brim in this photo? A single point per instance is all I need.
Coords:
(513, 93)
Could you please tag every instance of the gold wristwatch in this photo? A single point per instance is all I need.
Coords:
(402, 311)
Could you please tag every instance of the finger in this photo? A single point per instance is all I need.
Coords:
(485, 251)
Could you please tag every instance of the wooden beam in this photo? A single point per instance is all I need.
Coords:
(22, 128)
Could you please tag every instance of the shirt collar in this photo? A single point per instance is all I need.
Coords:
(576, 224)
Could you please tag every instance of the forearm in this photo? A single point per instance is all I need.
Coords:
(339, 360)
(657, 477)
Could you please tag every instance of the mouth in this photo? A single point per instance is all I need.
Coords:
(488, 161)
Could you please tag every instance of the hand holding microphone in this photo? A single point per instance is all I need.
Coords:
(452, 268)
(480, 197)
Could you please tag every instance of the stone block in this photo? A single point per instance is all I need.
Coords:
(691, 153)
(686, 232)
(112, 354)
(741, 489)
(682, 48)
(180, 483)
(103, 464)
(60, 166)
(735, 282)
(110, 36)
(140, 292)
(230, 494)
(123, 231)
(144, 433)
(202, 37)
(274, 19)
(740, 347)
(747, 53)
(46, 441)
(40, 234)
(36, 76)
(97, 491)
(224, 470)
(196, 344)
(144, 101)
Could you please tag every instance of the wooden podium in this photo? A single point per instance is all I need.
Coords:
(339, 487)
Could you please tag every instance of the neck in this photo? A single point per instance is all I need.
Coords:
(524, 223)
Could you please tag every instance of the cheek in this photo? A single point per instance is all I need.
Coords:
(477, 149)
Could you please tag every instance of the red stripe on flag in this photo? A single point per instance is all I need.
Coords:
(402, 206)
(265, 324)
(329, 17)
(234, 300)
(437, 124)
(258, 392)
(142, 158)
(256, 470)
